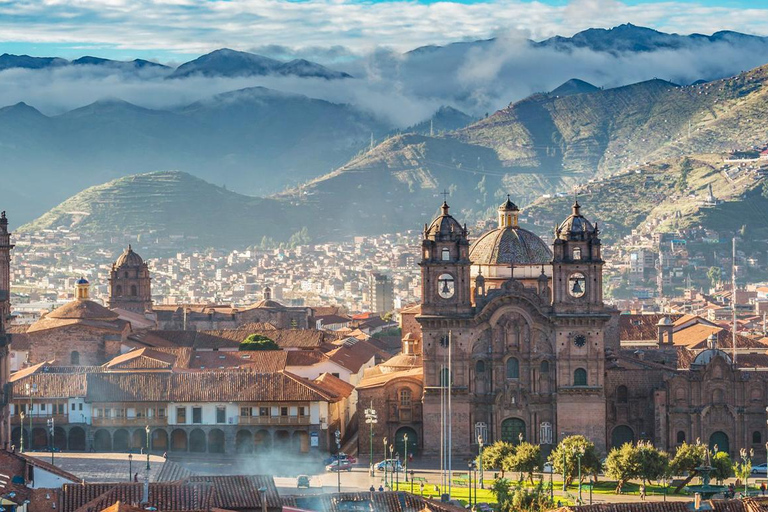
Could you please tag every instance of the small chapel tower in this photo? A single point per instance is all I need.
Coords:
(5, 273)
(130, 284)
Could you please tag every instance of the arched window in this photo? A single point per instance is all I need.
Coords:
(445, 375)
(119, 291)
(757, 437)
(480, 366)
(544, 368)
(680, 437)
(74, 357)
(134, 290)
(445, 255)
(622, 394)
(545, 433)
(405, 397)
(125, 275)
(513, 368)
(577, 253)
(718, 397)
(580, 377)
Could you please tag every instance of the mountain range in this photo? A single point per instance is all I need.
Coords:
(219, 63)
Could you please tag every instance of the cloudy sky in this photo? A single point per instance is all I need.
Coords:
(175, 30)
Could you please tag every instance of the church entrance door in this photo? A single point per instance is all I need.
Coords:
(719, 439)
(513, 430)
(413, 441)
(622, 435)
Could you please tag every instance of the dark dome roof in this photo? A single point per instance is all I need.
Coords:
(444, 226)
(576, 226)
(508, 206)
(510, 245)
(82, 280)
(129, 259)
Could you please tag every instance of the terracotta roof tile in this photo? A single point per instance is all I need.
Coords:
(335, 385)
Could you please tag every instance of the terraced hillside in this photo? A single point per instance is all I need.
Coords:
(665, 196)
(170, 204)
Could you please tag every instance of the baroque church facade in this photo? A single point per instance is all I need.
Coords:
(525, 326)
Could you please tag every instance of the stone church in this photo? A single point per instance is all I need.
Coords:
(518, 329)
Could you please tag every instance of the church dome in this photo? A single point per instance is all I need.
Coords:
(82, 310)
(444, 227)
(129, 259)
(576, 226)
(510, 245)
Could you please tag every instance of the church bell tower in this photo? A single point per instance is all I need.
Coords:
(580, 318)
(445, 281)
(5, 341)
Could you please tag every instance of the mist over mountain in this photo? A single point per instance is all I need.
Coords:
(255, 140)
(259, 124)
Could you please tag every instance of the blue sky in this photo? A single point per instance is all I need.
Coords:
(175, 30)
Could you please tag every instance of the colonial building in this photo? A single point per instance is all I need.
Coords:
(515, 329)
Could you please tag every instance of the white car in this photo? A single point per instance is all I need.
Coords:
(760, 469)
(547, 468)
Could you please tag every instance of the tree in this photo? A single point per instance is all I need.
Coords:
(501, 490)
(258, 342)
(685, 169)
(742, 470)
(565, 452)
(687, 458)
(622, 465)
(653, 463)
(525, 459)
(494, 455)
(714, 274)
(723, 466)
(530, 500)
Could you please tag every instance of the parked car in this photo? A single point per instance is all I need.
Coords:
(760, 469)
(389, 464)
(302, 481)
(547, 468)
(342, 456)
(339, 465)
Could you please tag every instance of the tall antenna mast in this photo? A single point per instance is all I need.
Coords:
(733, 297)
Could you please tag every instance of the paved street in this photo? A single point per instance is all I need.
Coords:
(114, 467)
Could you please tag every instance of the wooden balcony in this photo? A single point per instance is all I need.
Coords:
(273, 420)
(41, 419)
(129, 422)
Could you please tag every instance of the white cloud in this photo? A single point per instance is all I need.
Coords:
(191, 27)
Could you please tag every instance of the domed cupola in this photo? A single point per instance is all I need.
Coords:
(445, 227)
(509, 251)
(129, 259)
(576, 226)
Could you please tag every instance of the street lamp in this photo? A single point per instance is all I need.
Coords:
(146, 429)
(394, 467)
(30, 389)
(130, 467)
(562, 438)
(371, 419)
(386, 462)
(51, 429)
(579, 453)
(405, 459)
(21, 433)
(746, 457)
(337, 435)
(472, 467)
(480, 453)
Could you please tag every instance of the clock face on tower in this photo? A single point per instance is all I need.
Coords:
(577, 284)
(579, 340)
(446, 286)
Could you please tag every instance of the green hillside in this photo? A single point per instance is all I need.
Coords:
(663, 196)
(170, 204)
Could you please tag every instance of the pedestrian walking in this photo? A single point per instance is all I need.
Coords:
(642, 492)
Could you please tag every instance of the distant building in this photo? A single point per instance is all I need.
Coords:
(381, 292)
(129, 284)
